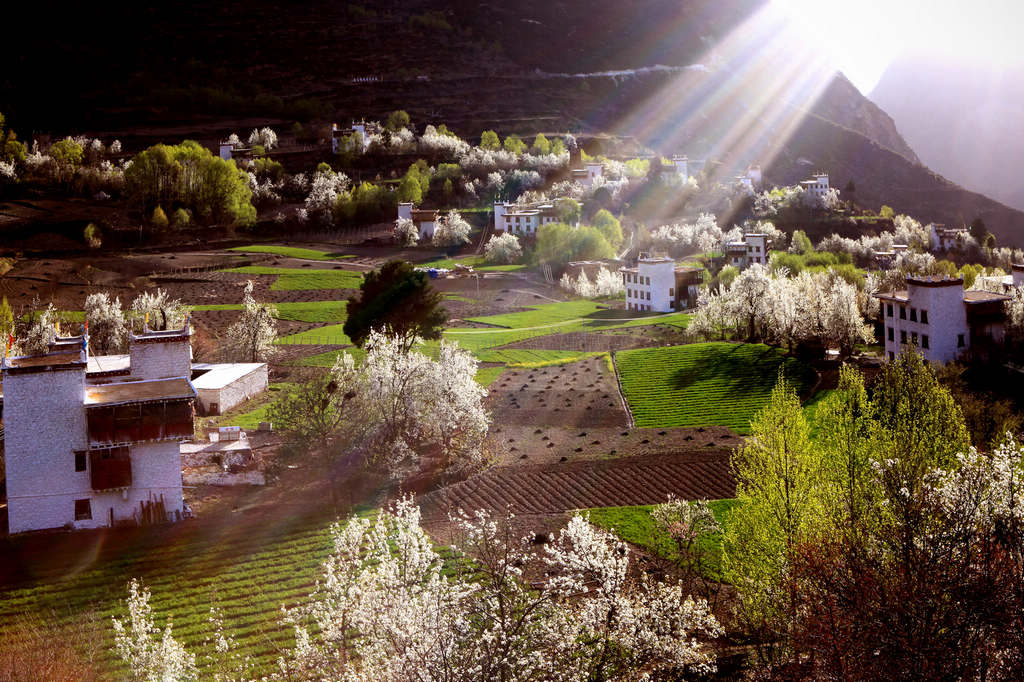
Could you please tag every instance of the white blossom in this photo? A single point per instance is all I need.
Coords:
(405, 232)
(451, 230)
(251, 338)
(151, 655)
(503, 248)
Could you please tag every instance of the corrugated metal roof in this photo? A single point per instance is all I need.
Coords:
(221, 375)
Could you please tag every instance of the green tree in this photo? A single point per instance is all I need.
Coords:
(541, 145)
(159, 219)
(448, 189)
(727, 275)
(569, 210)
(409, 190)
(397, 120)
(190, 176)
(92, 235)
(778, 485)
(311, 412)
(886, 212)
(800, 243)
(979, 230)
(609, 226)
(490, 141)
(181, 218)
(558, 243)
(557, 147)
(6, 321)
(398, 301)
(514, 144)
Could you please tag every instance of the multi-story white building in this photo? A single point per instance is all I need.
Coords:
(817, 185)
(657, 285)
(86, 449)
(935, 315)
(523, 220)
(360, 131)
(753, 248)
(590, 172)
(424, 219)
(944, 238)
(682, 165)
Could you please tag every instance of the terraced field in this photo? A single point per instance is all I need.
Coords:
(299, 279)
(291, 252)
(300, 311)
(248, 566)
(705, 384)
(547, 489)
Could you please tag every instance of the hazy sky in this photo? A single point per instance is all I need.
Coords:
(863, 36)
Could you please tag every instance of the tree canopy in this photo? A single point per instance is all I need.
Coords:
(189, 176)
(398, 301)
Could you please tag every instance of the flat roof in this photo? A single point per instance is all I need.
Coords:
(222, 374)
(49, 360)
(101, 364)
(983, 297)
(121, 392)
(893, 295)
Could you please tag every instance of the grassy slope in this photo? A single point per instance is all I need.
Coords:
(291, 252)
(703, 384)
(635, 525)
(476, 262)
(300, 279)
(302, 311)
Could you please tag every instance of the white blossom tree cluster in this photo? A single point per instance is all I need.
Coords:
(251, 338)
(451, 230)
(503, 249)
(907, 231)
(770, 202)
(389, 607)
(323, 195)
(403, 404)
(818, 308)
(606, 284)
(264, 137)
(405, 232)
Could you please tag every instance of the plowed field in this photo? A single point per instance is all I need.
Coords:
(545, 489)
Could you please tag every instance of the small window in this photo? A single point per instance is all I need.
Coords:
(924, 341)
(924, 317)
(80, 460)
(960, 341)
(892, 356)
(903, 312)
(648, 295)
(903, 336)
(892, 334)
(913, 338)
(888, 309)
(913, 314)
(83, 510)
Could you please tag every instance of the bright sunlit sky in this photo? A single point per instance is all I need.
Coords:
(862, 37)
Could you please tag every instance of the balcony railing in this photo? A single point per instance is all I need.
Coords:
(139, 422)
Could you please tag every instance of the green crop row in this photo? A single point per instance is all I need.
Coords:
(708, 384)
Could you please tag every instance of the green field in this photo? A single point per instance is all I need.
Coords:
(635, 525)
(252, 412)
(331, 335)
(704, 384)
(476, 262)
(527, 357)
(485, 376)
(302, 311)
(291, 252)
(248, 572)
(300, 279)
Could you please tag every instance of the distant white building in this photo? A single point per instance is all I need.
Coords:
(90, 445)
(360, 131)
(682, 165)
(657, 285)
(754, 174)
(817, 185)
(523, 220)
(425, 220)
(886, 259)
(935, 315)
(942, 238)
(590, 172)
(752, 248)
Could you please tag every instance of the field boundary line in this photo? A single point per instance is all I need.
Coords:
(622, 396)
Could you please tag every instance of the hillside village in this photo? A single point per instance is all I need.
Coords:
(216, 349)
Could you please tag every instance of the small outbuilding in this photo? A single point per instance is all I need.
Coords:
(219, 387)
